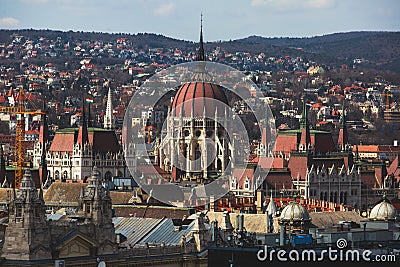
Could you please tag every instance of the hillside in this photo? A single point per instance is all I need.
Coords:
(378, 50)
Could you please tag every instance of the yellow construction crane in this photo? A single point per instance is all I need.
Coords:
(19, 149)
(386, 93)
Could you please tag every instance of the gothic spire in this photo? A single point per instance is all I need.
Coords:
(83, 133)
(108, 117)
(303, 120)
(305, 139)
(200, 53)
(343, 138)
(343, 117)
(43, 131)
(43, 139)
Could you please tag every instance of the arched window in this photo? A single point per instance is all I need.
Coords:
(247, 183)
(65, 175)
(233, 183)
(57, 175)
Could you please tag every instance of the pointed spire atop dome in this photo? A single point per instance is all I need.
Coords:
(200, 53)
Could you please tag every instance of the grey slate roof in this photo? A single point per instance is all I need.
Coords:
(133, 228)
(166, 233)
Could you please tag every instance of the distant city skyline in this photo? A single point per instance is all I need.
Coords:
(223, 20)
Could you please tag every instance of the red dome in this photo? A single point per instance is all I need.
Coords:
(199, 96)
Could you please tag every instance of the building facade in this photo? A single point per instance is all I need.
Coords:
(73, 152)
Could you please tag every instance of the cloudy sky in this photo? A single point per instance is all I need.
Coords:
(223, 20)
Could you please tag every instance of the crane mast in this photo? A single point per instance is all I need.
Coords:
(19, 150)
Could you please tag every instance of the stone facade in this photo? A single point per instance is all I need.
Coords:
(337, 185)
(27, 235)
(87, 233)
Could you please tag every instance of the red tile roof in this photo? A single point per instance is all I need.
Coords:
(273, 163)
(63, 142)
(101, 140)
(240, 175)
(394, 168)
(298, 166)
(150, 170)
(368, 179)
(277, 180)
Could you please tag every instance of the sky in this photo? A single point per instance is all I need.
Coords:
(222, 19)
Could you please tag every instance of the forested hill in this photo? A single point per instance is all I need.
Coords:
(378, 50)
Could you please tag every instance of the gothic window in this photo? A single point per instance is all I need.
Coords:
(233, 182)
(247, 183)
(57, 175)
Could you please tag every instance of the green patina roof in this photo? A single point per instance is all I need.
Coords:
(13, 168)
(296, 131)
(73, 130)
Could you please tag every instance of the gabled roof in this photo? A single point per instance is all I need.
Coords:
(73, 235)
(241, 174)
(63, 142)
(101, 140)
(394, 168)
